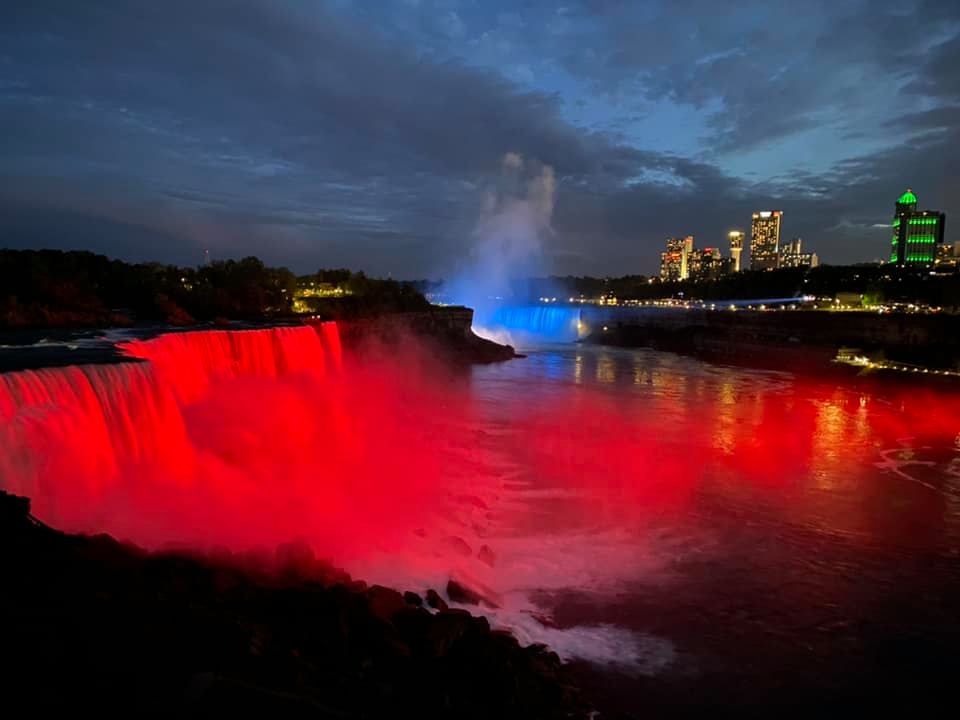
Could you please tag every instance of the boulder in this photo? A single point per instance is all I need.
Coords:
(385, 602)
(446, 629)
(435, 601)
(472, 595)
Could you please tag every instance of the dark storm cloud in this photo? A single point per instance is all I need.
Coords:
(317, 133)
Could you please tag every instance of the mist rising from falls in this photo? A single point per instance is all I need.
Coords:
(508, 243)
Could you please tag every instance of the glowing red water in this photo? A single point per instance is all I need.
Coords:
(256, 437)
(236, 438)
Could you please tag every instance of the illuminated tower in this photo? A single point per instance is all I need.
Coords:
(916, 233)
(736, 248)
(675, 262)
(765, 240)
(687, 249)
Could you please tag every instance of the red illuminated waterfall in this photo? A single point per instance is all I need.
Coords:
(192, 362)
(389, 466)
(229, 437)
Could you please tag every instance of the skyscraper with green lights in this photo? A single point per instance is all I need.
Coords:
(916, 233)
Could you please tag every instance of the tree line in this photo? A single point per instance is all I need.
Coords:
(53, 288)
(877, 283)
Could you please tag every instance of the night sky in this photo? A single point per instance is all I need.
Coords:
(367, 133)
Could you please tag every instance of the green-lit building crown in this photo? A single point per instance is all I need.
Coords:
(908, 198)
(917, 234)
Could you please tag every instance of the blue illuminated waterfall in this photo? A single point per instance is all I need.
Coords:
(538, 322)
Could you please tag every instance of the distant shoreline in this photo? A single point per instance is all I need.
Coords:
(886, 347)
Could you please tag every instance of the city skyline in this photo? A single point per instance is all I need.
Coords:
(682, 261)
(343, 134)
(918, 239)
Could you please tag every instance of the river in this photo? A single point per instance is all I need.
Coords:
(691, 536)
(719, 538)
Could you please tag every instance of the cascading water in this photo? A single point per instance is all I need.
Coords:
(239, 438)
(531, 324)
(192, 362)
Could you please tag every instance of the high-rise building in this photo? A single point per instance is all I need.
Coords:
(669, 266)
(792, 256)
(916, 233)
(706, 264)
(765, 240)
(736, 249)
(674, 263)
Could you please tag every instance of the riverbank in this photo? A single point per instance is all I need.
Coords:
(805, 342)
(99, 626)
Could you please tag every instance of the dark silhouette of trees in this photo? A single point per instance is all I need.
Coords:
(52, 288)
(343, 294)
(877, 283)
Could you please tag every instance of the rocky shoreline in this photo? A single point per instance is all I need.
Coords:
(802, 342)
(446, 332)
(100, 626)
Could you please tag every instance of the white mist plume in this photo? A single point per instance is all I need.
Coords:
(509, 238)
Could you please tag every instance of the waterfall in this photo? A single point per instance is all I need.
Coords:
(550, 323)
(88, 443)
(192, 361)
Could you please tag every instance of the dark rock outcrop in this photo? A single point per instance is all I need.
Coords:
(466, 594)
(435, 601)
(93, 626)
(446, 331)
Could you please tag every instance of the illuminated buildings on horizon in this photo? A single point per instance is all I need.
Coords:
(917, 240)
(707, 264)
(792, 256)
(917, 234)
(674, 262)
(682, 261)
(765, 240)
(736, 249)
(948, 255)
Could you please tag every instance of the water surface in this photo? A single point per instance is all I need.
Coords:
(719, 536)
